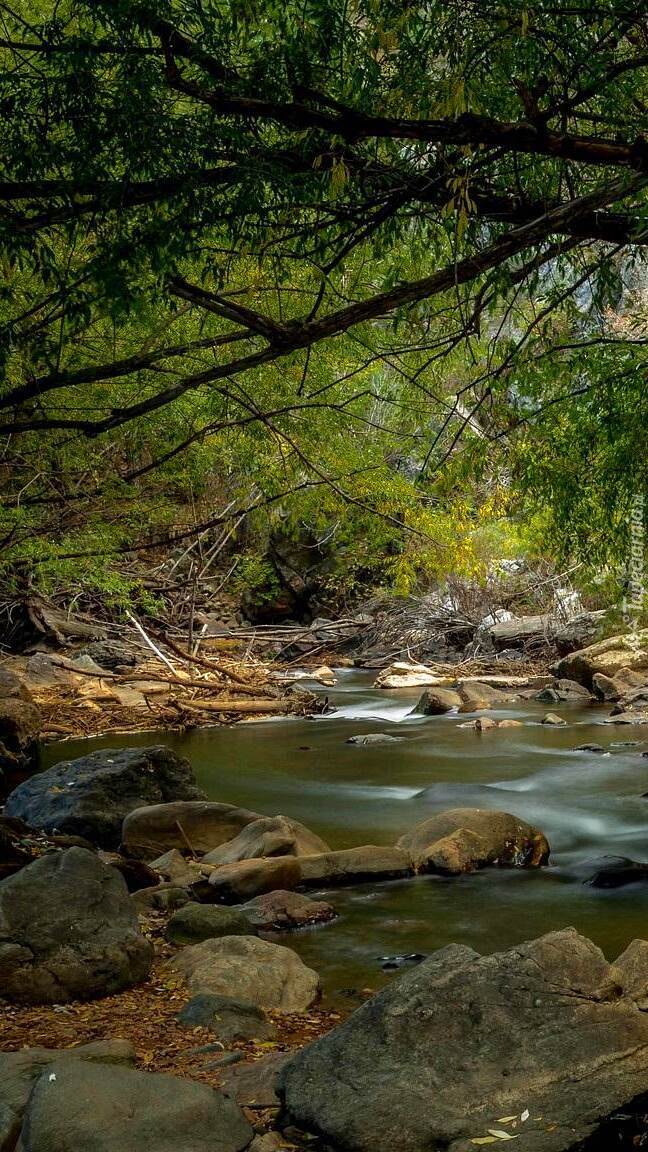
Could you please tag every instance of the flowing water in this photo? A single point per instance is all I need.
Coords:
(588, 804)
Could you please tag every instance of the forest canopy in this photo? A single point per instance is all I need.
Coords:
(351, 262)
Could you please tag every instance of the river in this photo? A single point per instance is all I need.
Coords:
(588, 805)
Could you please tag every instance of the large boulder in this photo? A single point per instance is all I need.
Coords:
(20, 723)
(153, 830)
(268, 836)
(463, 1045)
(90, 796)
(90, 1108)
(478, 695)
(255, 1085)
(19, 1071)
(522, 630)
(466, 839)
(68, 931)
(607, 656)
(250, 969)
(248, 878)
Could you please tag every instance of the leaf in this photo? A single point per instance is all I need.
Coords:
(500, 1134)
(507, 1119)
(525, 1115)
(484, 1140)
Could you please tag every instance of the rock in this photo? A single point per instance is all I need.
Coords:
(110, 654)
(553, 720)
(522, 630)
(195, 922)
(136, 874)
(68, 931)
(445, 1051)
(436, 701)
(633, 966)
(269, 1142)
(375, 738)
(254, 1085)
(162, 898)
(250, 878)
(20, 723)
(175, 869)
(484, 724)
(563, 691)
(465, 839)
(90, 796)
(607, 656)
(589, 748)
(13, 855)
(404, 675)
(278, 910)
(508, 723)
(19, 1071)
(227, 1018)
(617, 871)
(82, 1106)
(393, 963)
(627, 718)
(477, 696)
(250, 969)
(268, 836)
(152, 830)
(578, 632)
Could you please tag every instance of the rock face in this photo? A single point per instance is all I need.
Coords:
(466, 839)
(148, 832)
(280, 910)
(195, 922)
(19, 1071)
(90, 796)
(20, 722)
(250, 878)
(446, 1051)
(246, 968)
(227, 1018)
(68, 931)
(268, 836)
(608, 656)
(436, 701)
(76, 1104)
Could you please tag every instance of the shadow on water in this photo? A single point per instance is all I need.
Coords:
(588, 804)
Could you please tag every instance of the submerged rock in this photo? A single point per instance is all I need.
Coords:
(466, 839)
(149, 831)
(250, 969)
(91, 796)
(617, 871)
(543, 1031)
(268, 836)
(68, 931)
(375, 738)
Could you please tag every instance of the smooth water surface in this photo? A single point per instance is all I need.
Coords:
(588, 805)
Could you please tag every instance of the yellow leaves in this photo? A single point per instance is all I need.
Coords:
(339, 176)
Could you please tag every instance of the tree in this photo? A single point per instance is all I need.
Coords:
(198, 194)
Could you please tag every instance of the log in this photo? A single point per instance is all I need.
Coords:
(235, 705)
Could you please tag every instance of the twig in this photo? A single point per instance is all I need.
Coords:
(151, 645)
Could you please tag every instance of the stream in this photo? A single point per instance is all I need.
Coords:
(589, 805)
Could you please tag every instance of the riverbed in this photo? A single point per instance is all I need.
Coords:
(588, 804)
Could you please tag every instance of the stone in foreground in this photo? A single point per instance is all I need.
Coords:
(268, 975)
(248, 878)
(68, 931)
(91, 796)
(548, 1029)
(88, 1108)
(281, 910)
(466, 839)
